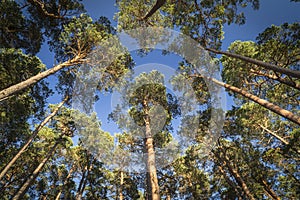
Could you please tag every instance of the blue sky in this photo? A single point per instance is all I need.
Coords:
(270, 12)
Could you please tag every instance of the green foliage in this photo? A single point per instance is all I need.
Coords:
(278, 45)
(202, 20)
(147, 95)
(80, 35)
(99, 142)
(106, 60)
(16, 66)
(50, 16)
(256, 147)
(17, 31)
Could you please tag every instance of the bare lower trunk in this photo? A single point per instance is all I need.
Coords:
(168, 197)
(152, 180)
(121, 185)
(33, 135)
(21, 192)
(276, 109)
(27, 83)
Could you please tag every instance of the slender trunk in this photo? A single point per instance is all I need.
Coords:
(83, 181)
(289, 72)
(269, 190)
(279, 138)
(21, 192)
(65, 182)
(277, 78)
(27, 83)
(236, 176)
(78, 194)
(33, 135)
(168, 197)
(152, 180)
(275, 135)
(276, 109)
(232, 184)
(240, 181)
(121, 185)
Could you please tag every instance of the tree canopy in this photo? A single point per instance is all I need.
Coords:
(175, 139)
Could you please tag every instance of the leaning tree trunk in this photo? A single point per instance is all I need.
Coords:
(238, 178)
(81, 183)
(289, 72)
(269, 190)
(21, 192)
(274, 108)
(231, 183)
(27, 83)
(84, 178)
(285, 80)
(65, 182)
(275, 135)
(152, 180)
(33, 135)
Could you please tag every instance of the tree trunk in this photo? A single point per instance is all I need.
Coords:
(277, 78)
(152, 181)
(78, 193)
(232, 184)
(65, 182)
(279, 138)
(33, 135)
(83, 180)
(168, 197)
(276, 109)
(121, 185)
(21, 192)
(25, 84)
(236, 176)
(269, 190)
(265, 65)
(289, 72)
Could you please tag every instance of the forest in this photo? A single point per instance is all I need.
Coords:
(172, 134)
